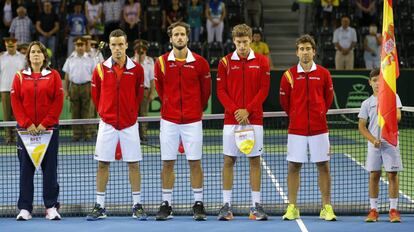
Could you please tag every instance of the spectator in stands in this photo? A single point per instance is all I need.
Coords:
(195, 13)
(259, 46)
(132, 20)
(36, 115)
(78, 70)
(94, 15)
(253, 12)
(345, 40)
(140, 49)
(11, 61)
(154, 20)
(372, 48)
(306, 16)
(215, 14)
(32, 11)
(47, 27)
(366, 10)
(7, 13)
(175, 12)
(329, 9)
(76, 25)
(22, 27)
(112, 10)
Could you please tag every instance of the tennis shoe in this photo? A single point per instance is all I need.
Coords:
(23, 215)
(373, 216)
(52, 214)
(394, 216)
(199, 211)
(225, 213)
(97, 213)
(139, 213)
(291, 213)
(327, 213)
(257, 213)
(165, 212)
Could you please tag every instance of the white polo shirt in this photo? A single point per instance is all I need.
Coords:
(79, 68)
(148, 66)
(345, 37)
(9, 65)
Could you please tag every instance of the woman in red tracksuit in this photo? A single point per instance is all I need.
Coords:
(37, 101)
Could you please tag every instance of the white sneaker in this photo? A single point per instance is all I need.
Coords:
(52, 214)
(24, 215)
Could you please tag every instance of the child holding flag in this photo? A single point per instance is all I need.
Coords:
(380, 152)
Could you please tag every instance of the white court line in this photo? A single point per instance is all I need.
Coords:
(385, 181)
(282, 194)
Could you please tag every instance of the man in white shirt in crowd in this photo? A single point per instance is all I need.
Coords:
(140, 56)
(345, 40)
(78, 70)
(11, 61)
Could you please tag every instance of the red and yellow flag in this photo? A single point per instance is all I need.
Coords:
(387, 107)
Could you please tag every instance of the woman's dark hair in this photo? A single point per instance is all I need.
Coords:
(42, 49)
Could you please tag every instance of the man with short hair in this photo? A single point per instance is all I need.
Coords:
(78, 70)
(11, 61)
(242, 86)
(140, 50)
(22, 27)
(47, 26)
(182, 80)
(117, 89)
(306, 93)
(345, 40)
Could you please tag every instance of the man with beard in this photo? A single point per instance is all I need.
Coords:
(182, 80)
(306, 93)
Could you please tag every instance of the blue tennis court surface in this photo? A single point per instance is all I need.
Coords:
(186, 224)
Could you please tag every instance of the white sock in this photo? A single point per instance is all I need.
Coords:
(136, 197)
(227, 196)
(198, 194)
(100, 198)
(393, 203)
(373, 202)
(255, 198)
(167, 195)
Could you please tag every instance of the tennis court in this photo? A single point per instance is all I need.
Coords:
(349, 183)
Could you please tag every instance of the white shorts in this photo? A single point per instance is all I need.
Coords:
(229, 142)
(191, 135)
(297, 148)
(107, 141)
(387, 155)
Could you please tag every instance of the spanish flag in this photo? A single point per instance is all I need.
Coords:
(387, 108)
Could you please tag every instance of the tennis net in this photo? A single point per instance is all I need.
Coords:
(77, 171)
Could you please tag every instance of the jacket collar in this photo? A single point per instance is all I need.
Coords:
(28, 71)
(129, 63)
(251, 55)
(190, 57)
(300, 69)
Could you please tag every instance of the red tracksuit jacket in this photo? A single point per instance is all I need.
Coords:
(243, 84)
(306, 97)
(183, 87)
(37, 98)
(117, 98)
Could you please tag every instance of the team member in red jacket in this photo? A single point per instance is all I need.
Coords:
(306, 93)
(242, 86)
(37, 101)
(182, 79)
(117, 90)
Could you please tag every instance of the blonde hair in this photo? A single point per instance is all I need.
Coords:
(241, 30)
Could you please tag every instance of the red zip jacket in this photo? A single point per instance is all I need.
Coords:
(183, 87)
(306, 97)
(243, 84)
(37, 98)
(117, 98)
